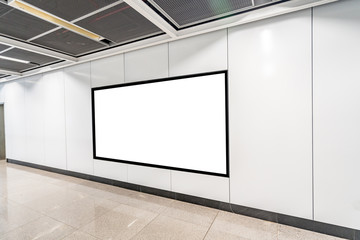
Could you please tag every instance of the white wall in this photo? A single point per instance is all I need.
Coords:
(270, 63)
(34, 120)
(54, 119)
(270, 114)
(15, 130)
(337, 113)
(78, 118)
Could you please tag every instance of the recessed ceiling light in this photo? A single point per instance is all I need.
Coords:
(14, 59)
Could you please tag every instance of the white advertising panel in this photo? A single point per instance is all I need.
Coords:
(176, 123)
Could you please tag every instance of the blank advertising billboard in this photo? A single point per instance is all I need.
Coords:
(178, 123)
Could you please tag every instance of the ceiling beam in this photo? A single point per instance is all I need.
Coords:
(33, 48)
(6, 72)
(141, 7)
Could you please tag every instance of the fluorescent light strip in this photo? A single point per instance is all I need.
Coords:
(53, 19)
(14, 59)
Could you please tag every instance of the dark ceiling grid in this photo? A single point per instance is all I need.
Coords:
(119, 24)
(70, 9)
(260, 2)
(14, 66)
(3, 47)
(114, 20)
(68, 42)
(183, 14)
(101, 5)
(32, 57)
(20, 25)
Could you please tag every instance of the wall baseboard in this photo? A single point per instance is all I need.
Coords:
(306, 224)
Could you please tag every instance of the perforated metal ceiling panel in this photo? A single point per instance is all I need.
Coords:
(119, 24)
(14, 66)
(15, 23)
(68, 42)
(70, 9)
(260, 2)
(29, 56)
(182, 13)
(3, 47)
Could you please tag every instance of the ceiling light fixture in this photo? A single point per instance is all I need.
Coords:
(14, 59)
(23, 6)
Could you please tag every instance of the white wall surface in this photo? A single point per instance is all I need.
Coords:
(147, 64)
(54, 119)
(205, 186)
(107, 71)
(78, 118)
(111, 170)
(202, 53)
(337, 113)
(34, 120)
(15, 130)
(270, 114)
(270, 86)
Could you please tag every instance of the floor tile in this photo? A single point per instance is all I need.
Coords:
(78, 235)
(66, 181)
(36, 204)
(13, 215)
(235, 226)
(34, 192)
(191, 213)
(291, 233)
(164, 227)
(15, 185)
(122, 223)
(56, 200)
(144, 201)
(218, 235)
(83, 211)
(94, 189)
(42, 228)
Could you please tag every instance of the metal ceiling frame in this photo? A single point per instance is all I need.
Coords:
(57, 28)
(46, 16)
(36, 49)
(72, 21)
(171, 33)
(214, 18)
(149, 14)
(6, 72)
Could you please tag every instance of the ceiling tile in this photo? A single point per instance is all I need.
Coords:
(119, 24)
(3, 47)
(70, 9)
(68, 42)
(29, 56)
(184, 13)
(14, 66)
(17, 24)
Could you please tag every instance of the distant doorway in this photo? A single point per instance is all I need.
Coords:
(2, 133)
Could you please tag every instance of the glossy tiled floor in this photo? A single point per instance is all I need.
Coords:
(36, 204)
